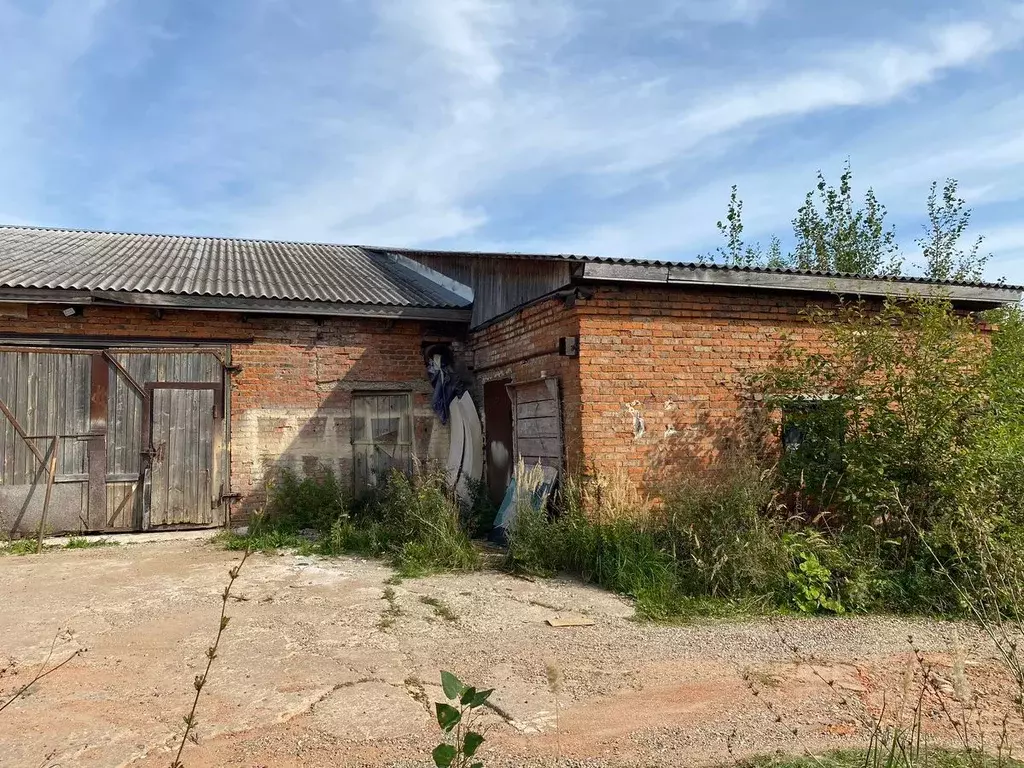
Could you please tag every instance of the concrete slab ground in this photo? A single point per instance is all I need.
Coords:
(335, 663)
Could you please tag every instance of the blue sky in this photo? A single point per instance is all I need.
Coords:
(587, 126)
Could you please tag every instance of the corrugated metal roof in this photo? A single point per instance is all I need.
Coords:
(61, 259)
(38, 258)
(582, 259)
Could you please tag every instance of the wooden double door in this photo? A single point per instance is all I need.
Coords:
(138, 435)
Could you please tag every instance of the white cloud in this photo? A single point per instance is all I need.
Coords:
(468, 34)
(871, 73)
(1002, 240)
(39, 51)
(432, 123)
(425, 184)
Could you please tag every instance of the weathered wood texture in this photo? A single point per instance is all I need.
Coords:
(381, 436)
(183, 432)
(499, 284)
(48, 394)
(537, 427)
(181, 491)
(124, 430)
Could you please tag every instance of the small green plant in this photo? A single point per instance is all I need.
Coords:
(19, 547)
(441, 609)
(810, 581)
(456, 720)
(83, 542)
(391, 612)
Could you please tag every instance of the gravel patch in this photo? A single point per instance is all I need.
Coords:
(310, 674)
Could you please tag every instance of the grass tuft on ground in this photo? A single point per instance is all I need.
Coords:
(31, 546)
(414, 523)
(853, 758)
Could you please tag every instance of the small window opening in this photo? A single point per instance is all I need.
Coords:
(381, 437)
(814, 429)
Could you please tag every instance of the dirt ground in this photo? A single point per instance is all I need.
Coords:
(317, 668)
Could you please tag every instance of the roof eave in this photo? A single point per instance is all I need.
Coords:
(780, 281)
(234, 304)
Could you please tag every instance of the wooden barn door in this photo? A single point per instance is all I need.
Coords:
(165, 440)
(45, 409)
(537, 427)
(180, 484)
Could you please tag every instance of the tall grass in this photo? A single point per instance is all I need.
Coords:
(412, 522)
(416, 523)
(704, 540)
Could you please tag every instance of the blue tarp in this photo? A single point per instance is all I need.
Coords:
(510, 504)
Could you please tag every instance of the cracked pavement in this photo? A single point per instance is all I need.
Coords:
(308, 674)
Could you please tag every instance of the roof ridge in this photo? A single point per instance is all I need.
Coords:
(576, 258)
(120, 233)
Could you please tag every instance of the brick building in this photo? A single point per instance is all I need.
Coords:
(163, 379)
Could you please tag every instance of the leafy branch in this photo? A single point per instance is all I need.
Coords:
(457, 722)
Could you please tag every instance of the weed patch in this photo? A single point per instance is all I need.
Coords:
(391, 612)
(441, 609)
(30, 546)
(84, 542)
(852, 758)
(19, 547)
(413, 523)
(674, 561)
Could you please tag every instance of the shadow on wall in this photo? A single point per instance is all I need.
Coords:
(709, 445)
(363, 409)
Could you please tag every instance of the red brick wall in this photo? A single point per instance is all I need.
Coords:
(524, 347)
(291, 400)
(675, 360)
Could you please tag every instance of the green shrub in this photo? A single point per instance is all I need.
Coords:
(418, 525)
(709, 540)
(915, 453)
(812, 587)
(727, 528)
(307, 503)
(619, 555)
(414, 523)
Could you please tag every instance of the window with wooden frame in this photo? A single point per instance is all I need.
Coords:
(381, 436)
(813, 433)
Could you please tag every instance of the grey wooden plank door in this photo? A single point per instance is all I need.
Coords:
(47, 393)
(182, 436)
(381, 437)
(537, 424)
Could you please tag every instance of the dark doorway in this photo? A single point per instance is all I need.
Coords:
(498, 426)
